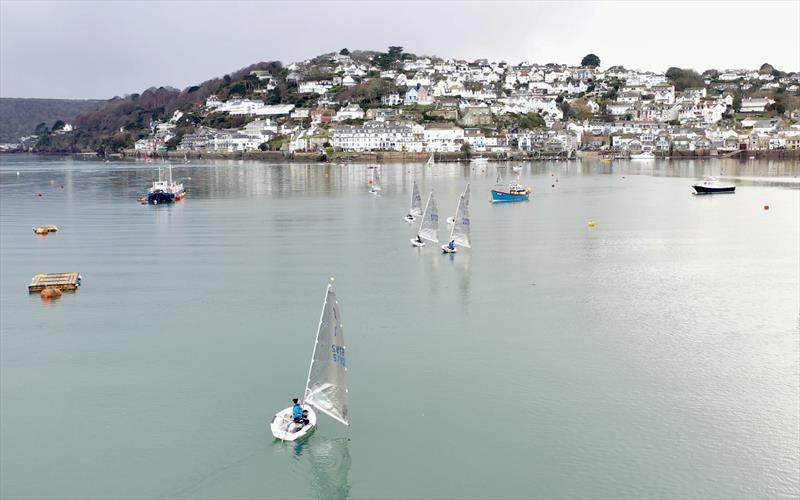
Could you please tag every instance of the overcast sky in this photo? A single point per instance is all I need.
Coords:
(98, 49)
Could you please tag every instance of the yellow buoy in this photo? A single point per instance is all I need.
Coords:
(591, 224)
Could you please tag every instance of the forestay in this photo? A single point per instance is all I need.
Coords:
(429, 228)
(460, 232)
(326, 389)
(416, 201)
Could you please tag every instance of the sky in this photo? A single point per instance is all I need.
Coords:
(99, 49)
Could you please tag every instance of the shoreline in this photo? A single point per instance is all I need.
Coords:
(399, 157)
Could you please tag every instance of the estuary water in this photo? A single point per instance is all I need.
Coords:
(654, 355)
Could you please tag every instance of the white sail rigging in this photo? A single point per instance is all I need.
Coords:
(430, 161)
(416, 201)
(376, 179)
(460, 231)
(429, 228)
(326, 389)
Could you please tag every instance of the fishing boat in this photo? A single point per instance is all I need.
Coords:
(326, 386)
(647, 155)
(712, 185)
(375, 183)
(429, 227)
(515, 192)
(165, 191)
(459, 234)
(416, 204)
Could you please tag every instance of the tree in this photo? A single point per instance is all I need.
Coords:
(58, 125)
(590, 60)
(737, 102)
(766, 69)
(684, 78)
(466, 148)
(263, 146)
(344, 52)
(41, 128)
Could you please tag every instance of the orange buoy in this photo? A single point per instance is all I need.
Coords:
(766, 207)
(50, 293)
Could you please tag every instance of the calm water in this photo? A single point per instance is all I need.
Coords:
(656, 355)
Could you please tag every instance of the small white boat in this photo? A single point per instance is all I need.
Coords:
(416, 204)
(647, 155)
(711, 185)
(430, 162)
(429, 227)
(326, 387)
(480, 161)
(460, 233)
(451, 221)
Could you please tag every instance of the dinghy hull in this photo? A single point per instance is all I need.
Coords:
(415, 243)
(499, 196)
(285, 429)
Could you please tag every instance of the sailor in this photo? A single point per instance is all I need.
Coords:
(297, 412)
(452, 245)
(419, 239)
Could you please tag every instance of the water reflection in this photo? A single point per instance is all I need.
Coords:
(330, 465)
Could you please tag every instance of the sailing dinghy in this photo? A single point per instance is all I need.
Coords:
(326, 387)
(416, 204)
(375, 186)
(452, 220)
(459, 235)
(429, 227)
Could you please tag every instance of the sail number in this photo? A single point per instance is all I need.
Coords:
(338, 355)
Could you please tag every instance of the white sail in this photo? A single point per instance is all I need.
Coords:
(376, 179)
(430, 161)
(326, 389)
(460, 232)
(429, 228)
(416, 201)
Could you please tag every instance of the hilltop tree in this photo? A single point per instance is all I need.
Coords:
(766, 69)
(684, 78)
(590, 60)
(344, 52)
(58, 125)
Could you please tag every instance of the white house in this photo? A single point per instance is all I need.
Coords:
(349, 112)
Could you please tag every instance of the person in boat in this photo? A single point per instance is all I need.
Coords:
(419, 239)
(452, 245)
(298, 415)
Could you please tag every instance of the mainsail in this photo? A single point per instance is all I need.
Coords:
(326, 389)
(429, 228)
(416, 201)
(460, 232)
(376, 179)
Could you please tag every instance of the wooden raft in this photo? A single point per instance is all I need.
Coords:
(62, 281)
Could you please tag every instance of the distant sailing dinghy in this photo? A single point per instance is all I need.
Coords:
(416, 204)
(326, 388)
(429, 227)
(459, 235)
(375, 186)
(452, 220)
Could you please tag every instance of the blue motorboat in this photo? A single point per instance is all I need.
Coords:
(515, 192)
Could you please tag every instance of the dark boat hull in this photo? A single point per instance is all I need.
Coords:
(699, 189)
(160, 197)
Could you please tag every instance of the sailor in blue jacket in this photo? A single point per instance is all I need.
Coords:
(452, 245)
(297, 412)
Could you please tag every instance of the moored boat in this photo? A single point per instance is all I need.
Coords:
(712, 185)
(165, 191)
(647, 155)
(515, 192)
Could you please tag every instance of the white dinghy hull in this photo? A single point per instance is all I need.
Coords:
(416, 243)
(284, 428)
(447, 249)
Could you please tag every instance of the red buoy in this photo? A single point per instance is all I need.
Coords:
(39, 195)
(766, 207)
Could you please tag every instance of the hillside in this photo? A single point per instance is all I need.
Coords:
(20, 116)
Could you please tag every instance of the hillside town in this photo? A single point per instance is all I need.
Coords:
(398, 102)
